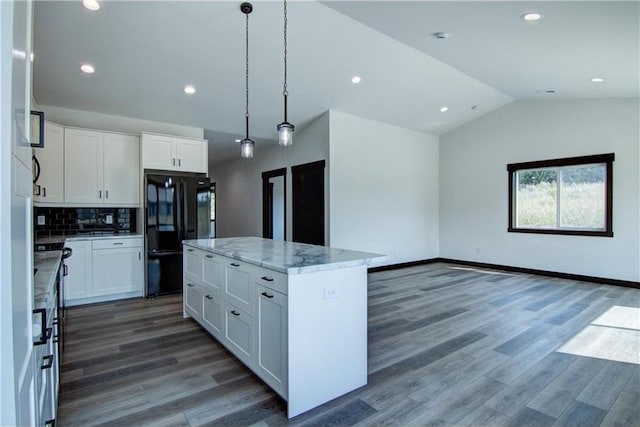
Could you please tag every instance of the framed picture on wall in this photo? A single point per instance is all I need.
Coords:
(37, 129)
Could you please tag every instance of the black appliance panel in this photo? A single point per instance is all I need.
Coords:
(164, 273)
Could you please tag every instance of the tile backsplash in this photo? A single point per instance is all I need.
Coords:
(69, 221)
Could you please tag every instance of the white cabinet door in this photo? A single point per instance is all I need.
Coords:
(78, 283)
(51, 161)
(117, 271)
(239, 333)
(213, 272)
(192, 264)
(121, 169)
(193, 300)
(83, 166)
(191, 155)
(237, 288)
(271, 336)
(212, 312)
(159, 152)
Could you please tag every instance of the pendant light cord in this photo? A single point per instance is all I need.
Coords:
(285, 93)
(246, 74)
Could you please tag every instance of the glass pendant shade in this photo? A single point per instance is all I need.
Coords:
(246, 148)
(285, 134)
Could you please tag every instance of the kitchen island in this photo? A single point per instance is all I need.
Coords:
(295, 314)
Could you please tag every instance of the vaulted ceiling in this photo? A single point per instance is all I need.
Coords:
(145, 52)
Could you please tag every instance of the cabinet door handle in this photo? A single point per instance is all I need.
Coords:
(139, 255)
(264, 294)
(174, 161)
(51, 422)
(47, 362)
(99, 194)
(190, 250)
(106, 193)
(209, 297)
(36, 191)
(235, 313)
(235, 264)
(48, 333)
(118, 243)
(209, 256)
(190, 285)
(179, 162)
(267, 278)
(44, 191)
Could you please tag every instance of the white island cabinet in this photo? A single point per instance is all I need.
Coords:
(295, 314)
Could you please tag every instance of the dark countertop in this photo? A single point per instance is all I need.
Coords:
(44, 281)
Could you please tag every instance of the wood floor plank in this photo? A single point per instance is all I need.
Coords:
(448, 346)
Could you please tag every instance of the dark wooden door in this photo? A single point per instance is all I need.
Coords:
(308, 202)
(267, 202)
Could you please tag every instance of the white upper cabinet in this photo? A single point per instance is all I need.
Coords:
(83, 166)
(172, 153)
(121, 168)
(101, 167)
(49, 187)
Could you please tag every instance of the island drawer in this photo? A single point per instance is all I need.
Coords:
(239, 330)
(237, 287)
(271, 279)
(117, 243)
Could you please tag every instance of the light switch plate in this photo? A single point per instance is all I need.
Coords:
(109, 219)
(41, 220)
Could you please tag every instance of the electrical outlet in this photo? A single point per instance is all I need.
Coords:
(109, 219)
(330, 293)
(41, 220)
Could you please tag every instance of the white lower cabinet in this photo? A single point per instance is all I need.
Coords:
(235, 303)
(103, 270)
(271, 338)
(239, 333)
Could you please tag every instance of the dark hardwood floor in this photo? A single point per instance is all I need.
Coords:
(447, 346)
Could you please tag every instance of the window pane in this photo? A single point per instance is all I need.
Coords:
(582, 197)
(536, 198)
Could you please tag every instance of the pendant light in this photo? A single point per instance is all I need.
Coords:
(285, 129)
(246, 145)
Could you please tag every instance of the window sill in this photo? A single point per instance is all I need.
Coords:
(561, 232)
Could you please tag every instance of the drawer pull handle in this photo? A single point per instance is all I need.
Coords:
(235, 313)
(118, 243)
(209, 297)
(267, 279)
(235, 264)
(209, 256)
(48, 334)
(190, 250)
(190, 285)
(51, 422)
(264, 294)
(47, 362)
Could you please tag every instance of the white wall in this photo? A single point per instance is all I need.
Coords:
(239, 183)
(99, 121)
(384, 189)
(473, 185)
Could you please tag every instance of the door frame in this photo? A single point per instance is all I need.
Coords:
(267, 232)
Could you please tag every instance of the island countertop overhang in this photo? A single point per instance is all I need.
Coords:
(284, 257)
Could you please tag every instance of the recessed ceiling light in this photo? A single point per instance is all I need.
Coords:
(91, 4)
(444, 109)
(356, 79)
(597, 80)
(87, 68)
(189, 90)
(441, 35)
(532, 16)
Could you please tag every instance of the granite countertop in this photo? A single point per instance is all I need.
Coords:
(44, 281)
(285, 257)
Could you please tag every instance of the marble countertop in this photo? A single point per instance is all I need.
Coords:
(44, 281)
(285, 257)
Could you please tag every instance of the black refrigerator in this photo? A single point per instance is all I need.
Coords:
(177, 208)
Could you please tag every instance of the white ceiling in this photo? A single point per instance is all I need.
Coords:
(145, 52)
